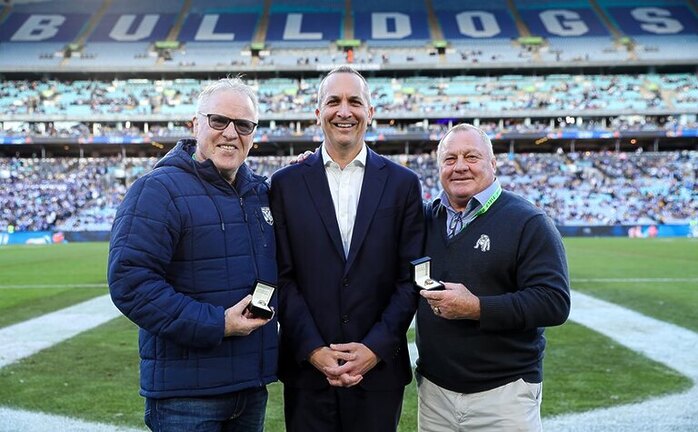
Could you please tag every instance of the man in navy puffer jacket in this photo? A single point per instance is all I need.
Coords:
(189, 242)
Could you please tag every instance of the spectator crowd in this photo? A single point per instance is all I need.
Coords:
(420, 95)
(605, 188)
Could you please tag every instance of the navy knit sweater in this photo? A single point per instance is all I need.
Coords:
(513, 260)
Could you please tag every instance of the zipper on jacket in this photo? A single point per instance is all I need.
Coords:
(252, 241)
(250, 237)
(242, 206)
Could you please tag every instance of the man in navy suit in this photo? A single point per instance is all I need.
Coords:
(348, 222)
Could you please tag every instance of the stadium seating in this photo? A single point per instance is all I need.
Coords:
(465, 96)
(101, 74)
(573, 188)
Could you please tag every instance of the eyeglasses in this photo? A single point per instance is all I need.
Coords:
(220, 122)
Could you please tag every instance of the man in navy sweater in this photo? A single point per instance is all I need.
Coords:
(504, 270)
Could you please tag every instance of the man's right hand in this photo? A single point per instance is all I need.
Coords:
(239, 321)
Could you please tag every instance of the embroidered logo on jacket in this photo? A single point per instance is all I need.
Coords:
(267, 215)
(483, 243)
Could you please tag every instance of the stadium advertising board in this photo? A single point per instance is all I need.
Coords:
(224, 27)
(463, 23)
(27, 237)
(51, 237)
(633, 231)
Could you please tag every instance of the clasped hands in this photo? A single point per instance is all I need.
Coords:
(344, 365)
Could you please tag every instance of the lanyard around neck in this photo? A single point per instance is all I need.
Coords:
(486, 206)
(458, 223)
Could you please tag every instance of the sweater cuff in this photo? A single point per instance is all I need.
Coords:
(496, 312)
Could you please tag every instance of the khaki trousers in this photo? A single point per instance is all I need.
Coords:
(511, 407)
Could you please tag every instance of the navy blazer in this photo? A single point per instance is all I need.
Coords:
(368, 296)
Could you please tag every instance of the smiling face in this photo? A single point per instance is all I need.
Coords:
(344, 110)
(466, 166)
(226, 148)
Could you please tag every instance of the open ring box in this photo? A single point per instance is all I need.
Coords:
(261, 300)
(421, 274)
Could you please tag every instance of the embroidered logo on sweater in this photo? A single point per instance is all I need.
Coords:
(267, 215)
(483, 243)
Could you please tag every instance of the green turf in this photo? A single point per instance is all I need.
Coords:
(92, 376)
(19, 304)
(37, 279)
(665, 273)
(584, 370)
(95, 376)
(70, 263)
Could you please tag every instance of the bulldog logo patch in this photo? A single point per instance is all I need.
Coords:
(268, 218)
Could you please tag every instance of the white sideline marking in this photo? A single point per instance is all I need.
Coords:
(666, 343)
(674, 346)
(15, 420)
(669, 344)
(29, 337)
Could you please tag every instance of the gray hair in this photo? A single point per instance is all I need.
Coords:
(232, 84)
(343, 69)
(464, 127)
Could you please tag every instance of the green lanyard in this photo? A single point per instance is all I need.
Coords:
(486, 206)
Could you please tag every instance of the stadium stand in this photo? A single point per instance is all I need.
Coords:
(606, 188)
(469, 96)
(592, 105)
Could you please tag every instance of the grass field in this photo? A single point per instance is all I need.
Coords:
(657, 277)
(94, 375)
(37, 279)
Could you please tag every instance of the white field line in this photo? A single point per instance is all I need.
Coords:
(666, 343)
(15, 420)
(29, 337)
(674, 346)
(671, 345)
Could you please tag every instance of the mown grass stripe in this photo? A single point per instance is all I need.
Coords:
(26, 338)
(626, 280)
(29, 286)
(586, 280)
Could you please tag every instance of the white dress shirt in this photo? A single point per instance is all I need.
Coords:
(345, 187)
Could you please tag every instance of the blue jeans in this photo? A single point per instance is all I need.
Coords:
(241, 411)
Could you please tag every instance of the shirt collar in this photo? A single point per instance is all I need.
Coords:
(481, 197)
(359, 160)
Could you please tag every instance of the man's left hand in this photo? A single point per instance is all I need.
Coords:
(239, 321)
(454, 302)
(352, 371)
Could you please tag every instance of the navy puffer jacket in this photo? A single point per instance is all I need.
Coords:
(185, 246)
